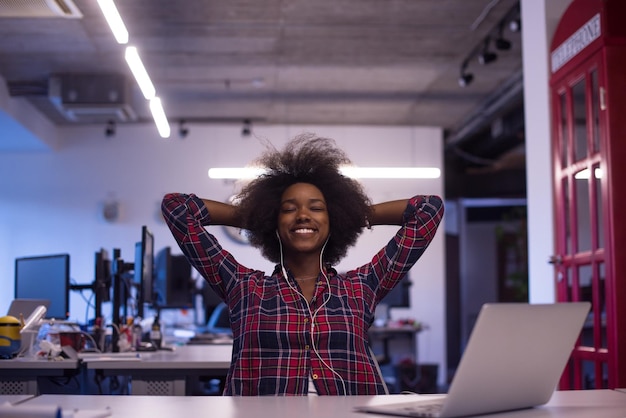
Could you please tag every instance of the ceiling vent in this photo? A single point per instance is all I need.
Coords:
(39, 8)
(91, 98)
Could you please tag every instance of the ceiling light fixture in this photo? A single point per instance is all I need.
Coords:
(465, 78)
(487, 56)
(500, 42)
(515, 25)
(109, 129)
(114, 20)
(248, 173)
(183, 130)
(140, 73)
(246, 129)
(481, 51)
(158, 114)
(131, 55)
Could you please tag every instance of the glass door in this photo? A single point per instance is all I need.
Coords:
(580, 258)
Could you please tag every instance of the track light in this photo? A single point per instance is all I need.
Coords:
(109, 130)
(183, 130)
(246, 129)
(515, 25)
(465, 78)
(486, 56)
(481, 51)
(500, 43)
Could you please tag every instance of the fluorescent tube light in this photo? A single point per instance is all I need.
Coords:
(160, 119)
(244, 173)
(140, 73)
(391, 172)
(114, 20)
(354, 172)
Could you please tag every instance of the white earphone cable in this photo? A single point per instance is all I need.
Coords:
(313, 315)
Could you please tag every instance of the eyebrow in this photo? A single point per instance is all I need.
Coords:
(314, 200)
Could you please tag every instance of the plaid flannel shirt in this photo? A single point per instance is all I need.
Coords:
(278, 340)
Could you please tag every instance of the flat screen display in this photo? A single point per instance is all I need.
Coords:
(144, 268)
(45, 277)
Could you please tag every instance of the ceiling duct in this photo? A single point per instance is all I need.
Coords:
(91, 98)
(39, 8)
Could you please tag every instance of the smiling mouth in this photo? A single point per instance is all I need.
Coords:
(303, 231)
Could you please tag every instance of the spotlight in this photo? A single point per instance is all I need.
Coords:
(109, 130)
(465, 78)
(486, 56)
(183, 130)
(246, 129)
(515, 25)
(500, 43)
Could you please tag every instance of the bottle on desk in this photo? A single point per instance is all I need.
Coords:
(156, 337)
(137, 333)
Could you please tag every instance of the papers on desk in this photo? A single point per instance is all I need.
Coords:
(48, 411)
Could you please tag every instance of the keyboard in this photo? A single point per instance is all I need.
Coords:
(210, 338)
(420, 409)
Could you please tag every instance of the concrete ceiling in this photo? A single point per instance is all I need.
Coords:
(379, 62)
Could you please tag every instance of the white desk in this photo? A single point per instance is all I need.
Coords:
(164, 372)
(571, 404)
(14, 399)
(18, 376)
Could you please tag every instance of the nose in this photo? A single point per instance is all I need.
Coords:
(303, 215)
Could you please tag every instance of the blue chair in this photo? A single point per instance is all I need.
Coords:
(219, 321)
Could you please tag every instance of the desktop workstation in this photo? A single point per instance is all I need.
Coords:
(115, 348)
(531, 382)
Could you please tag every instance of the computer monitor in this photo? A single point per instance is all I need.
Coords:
(102, 276)
(144, 269)
(173, 286)
(45, 277)
(400, 296)
(102, 280)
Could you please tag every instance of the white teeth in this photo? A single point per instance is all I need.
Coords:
(303, 231)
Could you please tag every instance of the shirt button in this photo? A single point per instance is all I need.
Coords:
(306, 347)
(306, 320)
(314, 376)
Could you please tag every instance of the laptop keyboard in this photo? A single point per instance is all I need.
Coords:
(421, 409)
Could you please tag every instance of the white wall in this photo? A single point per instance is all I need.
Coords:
(540, 19)
(51, 201)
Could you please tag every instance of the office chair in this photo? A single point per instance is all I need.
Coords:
(219, 321)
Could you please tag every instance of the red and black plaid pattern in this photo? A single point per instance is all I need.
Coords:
(280, 341)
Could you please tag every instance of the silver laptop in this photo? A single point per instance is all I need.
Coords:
(514, 359)
(26, 306)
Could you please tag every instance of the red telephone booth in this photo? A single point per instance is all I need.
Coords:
(588, 94)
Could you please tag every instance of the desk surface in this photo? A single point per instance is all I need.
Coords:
(14, 399)
(573, 404)
(201, 357)
(22, 363)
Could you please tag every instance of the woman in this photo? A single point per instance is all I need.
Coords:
(305, 323)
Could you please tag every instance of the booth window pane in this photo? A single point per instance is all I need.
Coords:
(595, 103)
(583, 214)
(563, 130)
(580, 121)
(597, 197)
(566, 217)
